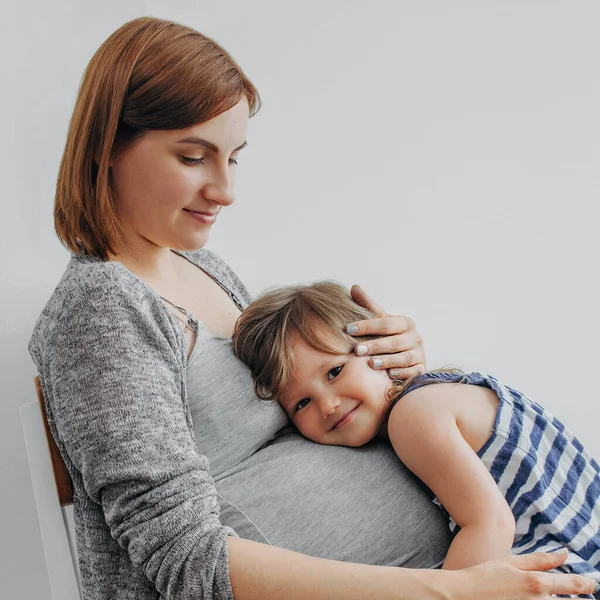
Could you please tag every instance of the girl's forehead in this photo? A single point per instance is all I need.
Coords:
(325, 338)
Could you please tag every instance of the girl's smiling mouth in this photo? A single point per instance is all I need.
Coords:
(346, 418)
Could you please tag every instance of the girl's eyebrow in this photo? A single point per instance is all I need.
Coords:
(206, 144)
(291, 398)
(287, 405)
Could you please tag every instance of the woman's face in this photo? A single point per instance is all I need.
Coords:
(170, 185)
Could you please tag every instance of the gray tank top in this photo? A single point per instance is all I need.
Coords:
(352, 504)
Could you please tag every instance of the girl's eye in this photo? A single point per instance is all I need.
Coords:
(233, 161)
(304, 402)
(333, 373)
(192, 161)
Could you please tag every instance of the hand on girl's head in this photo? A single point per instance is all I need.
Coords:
(400, 347)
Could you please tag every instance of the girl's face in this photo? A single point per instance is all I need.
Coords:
(335, 399)
(170, 185)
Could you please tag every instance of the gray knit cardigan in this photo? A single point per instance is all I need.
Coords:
(112, 361)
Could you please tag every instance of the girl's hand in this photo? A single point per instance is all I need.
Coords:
(520, 578)
(400, 351)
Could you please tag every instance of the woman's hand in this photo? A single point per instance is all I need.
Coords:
(520, 578)
(400, 351)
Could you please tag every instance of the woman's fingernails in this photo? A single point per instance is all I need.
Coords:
(393, 373)
(352, 329)
(596, 587)
(361, 349)
(377, 362)
(561, 551)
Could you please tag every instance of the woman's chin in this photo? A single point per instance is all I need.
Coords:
(190, 244)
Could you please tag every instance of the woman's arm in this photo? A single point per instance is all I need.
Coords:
(424, 430)
(111, 364)
(399, 350)
(260, 572)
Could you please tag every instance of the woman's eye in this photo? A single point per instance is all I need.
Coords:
(200, 161)
(333, 373)
(304, 402)
(192, 161)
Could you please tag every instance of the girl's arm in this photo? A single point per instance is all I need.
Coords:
(424, 430)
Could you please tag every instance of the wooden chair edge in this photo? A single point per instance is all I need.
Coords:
(62, 479)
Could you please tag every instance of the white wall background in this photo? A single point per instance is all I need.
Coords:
(443, 154)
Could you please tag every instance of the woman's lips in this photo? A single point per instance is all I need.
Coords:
(206, 218)
(345, 420)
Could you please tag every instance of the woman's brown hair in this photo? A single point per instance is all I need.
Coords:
(149, 74)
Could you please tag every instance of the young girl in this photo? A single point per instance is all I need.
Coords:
(509, 474)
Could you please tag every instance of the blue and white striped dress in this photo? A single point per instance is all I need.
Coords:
(550, 481)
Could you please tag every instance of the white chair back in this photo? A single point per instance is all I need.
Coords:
(56, 521)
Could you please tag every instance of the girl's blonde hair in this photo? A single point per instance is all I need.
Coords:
(149, 74)
(317, 313)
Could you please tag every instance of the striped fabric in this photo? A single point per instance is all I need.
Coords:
(550, 481)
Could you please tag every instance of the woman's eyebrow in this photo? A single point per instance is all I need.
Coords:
(206, 144)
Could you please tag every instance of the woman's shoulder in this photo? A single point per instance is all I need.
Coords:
(95, 291)
(88, 280)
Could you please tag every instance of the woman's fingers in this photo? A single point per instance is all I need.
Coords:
(407, 372)
(560, 583)
(361, 297)
(403, 354)
(401, 365)
(400, 347)
(538, 561)
(546, 584)
(393, 343)
(520, 577)
(387, 325)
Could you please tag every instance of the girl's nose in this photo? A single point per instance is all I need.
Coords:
(329, 405)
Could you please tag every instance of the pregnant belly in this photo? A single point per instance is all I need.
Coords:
(358, 505)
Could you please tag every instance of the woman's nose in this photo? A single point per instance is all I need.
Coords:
(220, 188)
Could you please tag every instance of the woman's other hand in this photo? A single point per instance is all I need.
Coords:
(520, 578)
(400, 350)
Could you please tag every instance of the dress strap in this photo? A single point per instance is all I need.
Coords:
(190, 321)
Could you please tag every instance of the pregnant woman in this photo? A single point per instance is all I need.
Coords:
(185, 486)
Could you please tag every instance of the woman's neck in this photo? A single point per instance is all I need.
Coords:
(150, 263)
